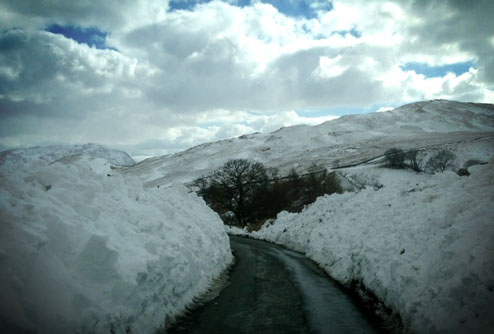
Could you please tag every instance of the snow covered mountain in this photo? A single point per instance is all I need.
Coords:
(347, 140)
(86, 248)
(56, 152)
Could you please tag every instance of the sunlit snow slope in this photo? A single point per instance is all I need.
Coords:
(347, 140)
(87, 250)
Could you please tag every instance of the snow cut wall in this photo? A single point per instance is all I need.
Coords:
(423, 244)
(86, 250)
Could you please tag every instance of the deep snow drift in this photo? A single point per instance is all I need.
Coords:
(53, 153)
(87, 250)
(423, 244)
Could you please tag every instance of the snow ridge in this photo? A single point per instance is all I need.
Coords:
(55, 152)
(343, 141)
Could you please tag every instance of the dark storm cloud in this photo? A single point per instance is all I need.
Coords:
(467, 24)
(108, 15)
(49, 70)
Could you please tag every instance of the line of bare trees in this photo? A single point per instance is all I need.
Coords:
(439, 161)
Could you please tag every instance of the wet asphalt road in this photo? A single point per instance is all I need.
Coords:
(274, 290)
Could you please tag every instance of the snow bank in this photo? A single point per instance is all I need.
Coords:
(56, 152)
(423, 244)
(233, 230)
(84, 250)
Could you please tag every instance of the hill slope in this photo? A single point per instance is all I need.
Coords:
(348, 140)
(418, 244)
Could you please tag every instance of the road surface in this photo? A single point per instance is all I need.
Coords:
(274, 290)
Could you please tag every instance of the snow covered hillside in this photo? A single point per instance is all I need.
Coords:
(423, 244)
(86, 250)
(348, 140)
(52, 153)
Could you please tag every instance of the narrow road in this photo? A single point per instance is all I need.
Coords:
(274, 290)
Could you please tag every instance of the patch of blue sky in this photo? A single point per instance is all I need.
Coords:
(184, 4)
(190, 4)
(90, 36)
(292, 8)
(354, 32)
(438, 71)
(300, 8)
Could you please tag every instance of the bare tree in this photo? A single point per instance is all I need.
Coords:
(395, 158)
(411, 157)
(440, 161)
(233, 188)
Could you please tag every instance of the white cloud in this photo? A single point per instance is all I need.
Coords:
(183, 77)
(330, 67)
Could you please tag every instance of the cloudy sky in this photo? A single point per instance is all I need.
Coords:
(156, 76)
